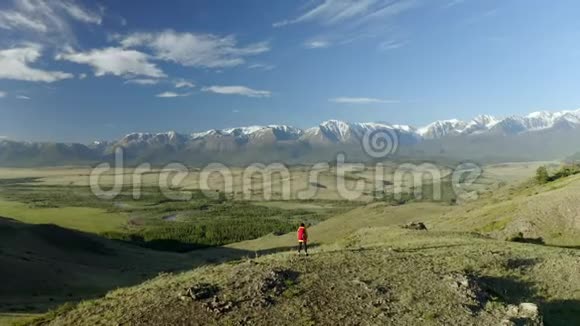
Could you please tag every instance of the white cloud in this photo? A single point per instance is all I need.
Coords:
(49, 19)
(391, 45)
(14, 64)
(142, 81)
(2, 94)
(261, 66)
(182, 83)
(115, 61)
(195, 50)
(333, 11)
(360, 100)
(317, 44)
(172, 94)
(349, 20)
(80, 13)
(82, 76)
(14, 20)
(453, 3)
(237, 90)
(22, 97)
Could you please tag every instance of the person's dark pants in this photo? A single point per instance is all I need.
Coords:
(300, 244)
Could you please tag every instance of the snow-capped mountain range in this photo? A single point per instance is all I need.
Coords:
(536, 136)
(335, 131)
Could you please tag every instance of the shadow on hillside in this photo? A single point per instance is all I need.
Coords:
(48, 265)
(514, 291)
(509, 290)
(563, 247)
(561, 312)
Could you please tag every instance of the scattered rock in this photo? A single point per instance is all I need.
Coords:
(245, 321)
(415, 226)
(524, 314)
(273, 284)
(277, 281)
(468, 288)
(217, 306)
(199, 291)
(262, 302)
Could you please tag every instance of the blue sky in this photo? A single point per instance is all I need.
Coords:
(80, 71)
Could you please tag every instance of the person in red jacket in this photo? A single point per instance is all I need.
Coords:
(302, 239)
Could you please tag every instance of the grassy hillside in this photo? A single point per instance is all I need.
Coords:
(364, 267)
(87, 219)
(47, 265)
(375, 276)
(548, 211)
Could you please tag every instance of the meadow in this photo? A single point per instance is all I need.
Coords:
(210, 217)
(212, 226)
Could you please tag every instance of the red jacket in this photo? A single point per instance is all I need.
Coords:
(302, 235)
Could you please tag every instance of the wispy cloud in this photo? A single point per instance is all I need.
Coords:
(81, 14)
(237, 90)
(345, 21)
(182, 83)
(142, 81)
(172, 94)
(453, 3)
(194, 50)
(391, 45)
(14, 64)
(2, 94)
(15, 20)
(331, 12)
(361, 100)
(317, 44)
(261, 66)
(115, 61)
(48, 19)
(22, 97)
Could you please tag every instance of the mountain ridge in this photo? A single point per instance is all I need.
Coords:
(341, 131)
(539, 135)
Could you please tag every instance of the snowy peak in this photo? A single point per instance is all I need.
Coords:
(479, 124)
(442, 128)
(338, 132)
(137, 138)
(536, 121)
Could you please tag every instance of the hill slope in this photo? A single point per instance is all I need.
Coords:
(375, 276)
(47, 265)
(550, 212)
(365, 269)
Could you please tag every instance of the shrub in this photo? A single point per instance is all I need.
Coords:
(542, 175)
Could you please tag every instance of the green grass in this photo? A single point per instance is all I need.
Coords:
(196, 223)
(385, 276)
(16, 319)
(495, 225)
(86, 219)
(359, 257)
